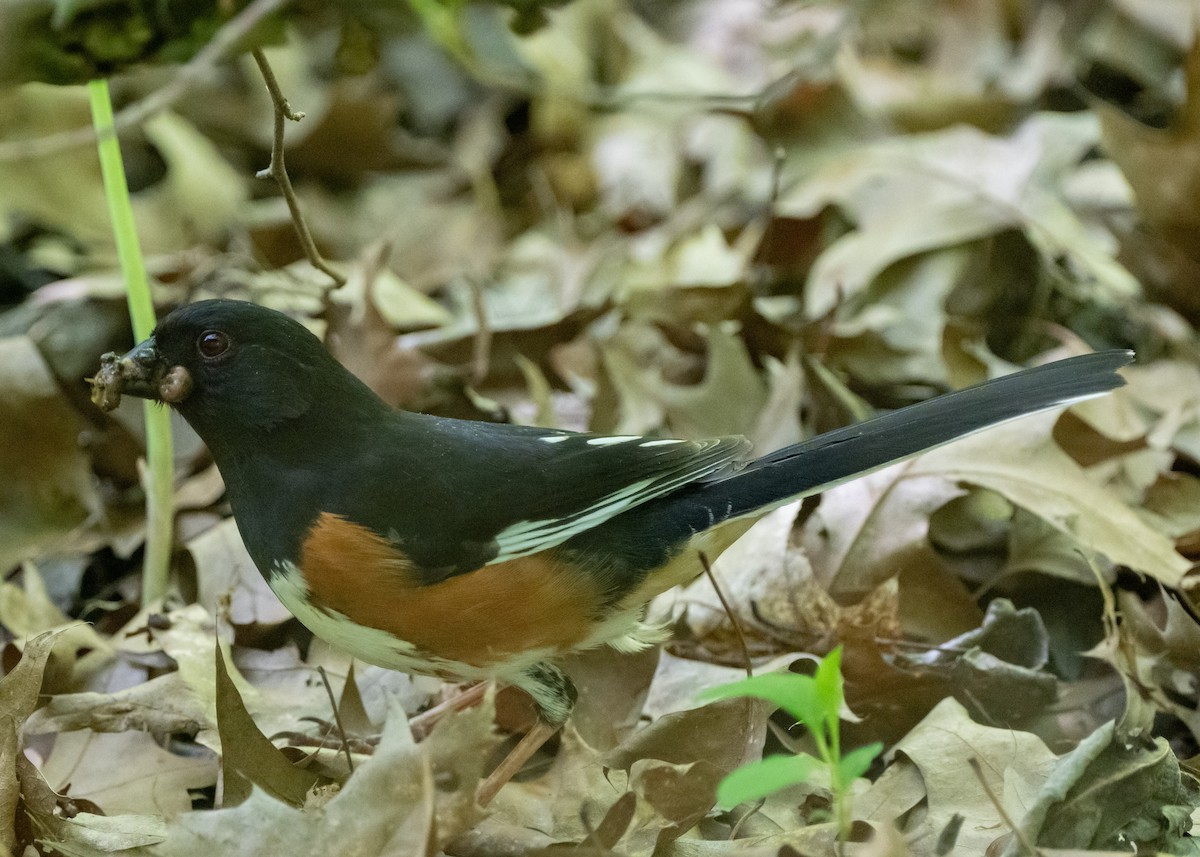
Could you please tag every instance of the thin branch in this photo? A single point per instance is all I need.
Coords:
(1019, 834)
(737, 626)
(752, 811)
(282, 107)
(337, 718)
(778, 162)
(422, 724)
(481, 350)
(205, 60)
(278, 169)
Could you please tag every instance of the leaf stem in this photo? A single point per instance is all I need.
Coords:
(159, 481)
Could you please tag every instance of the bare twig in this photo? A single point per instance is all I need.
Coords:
(768, 238)
(422, 724)
(1026, 846)
(222, 44)
(481, 352)
(737, 826)
(365, 746)
(901, 643)
(278, 169)
(337, 718)
(737, 626)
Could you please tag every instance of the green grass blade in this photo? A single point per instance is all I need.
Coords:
(160, 481)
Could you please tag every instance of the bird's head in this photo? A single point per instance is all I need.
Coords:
(227, 366)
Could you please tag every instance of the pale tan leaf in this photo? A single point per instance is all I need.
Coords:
(1019, 461)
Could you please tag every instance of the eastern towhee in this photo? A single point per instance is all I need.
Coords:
(472, 550)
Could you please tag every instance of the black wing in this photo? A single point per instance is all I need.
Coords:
(462, 494)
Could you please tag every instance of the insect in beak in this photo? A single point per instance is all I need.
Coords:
(141, 372)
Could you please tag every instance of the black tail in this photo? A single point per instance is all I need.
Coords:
(838, 456)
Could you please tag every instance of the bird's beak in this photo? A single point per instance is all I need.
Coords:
(142, 372)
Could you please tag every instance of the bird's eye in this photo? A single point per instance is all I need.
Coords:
(212, 343)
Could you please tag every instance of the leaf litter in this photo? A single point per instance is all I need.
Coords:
(715, 218)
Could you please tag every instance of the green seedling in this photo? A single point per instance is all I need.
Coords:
(816, 702)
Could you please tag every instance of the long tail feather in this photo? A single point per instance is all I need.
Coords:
(838, 456)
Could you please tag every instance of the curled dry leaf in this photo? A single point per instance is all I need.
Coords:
(1106, 792)
(79, 651)
(247, 755)
(161, 705)
(18, 699)
(727, 734)
(407, 796)
(612, 691)
(1035, 474)
(931, 765)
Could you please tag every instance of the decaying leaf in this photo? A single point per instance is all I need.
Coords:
(932, 765)
(699, 218)
(225, 570)
(47, 489)
(18, 698)
(247, 754)
(407, 798)
(1106, 792)
(149, 778)
(161, 705)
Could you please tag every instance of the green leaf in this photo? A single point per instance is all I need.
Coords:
(795, 694)
(828, 686)
(855, 763)
(765, 777)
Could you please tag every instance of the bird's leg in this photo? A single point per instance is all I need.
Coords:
(515, 760)
(423, 723)
(554, 695)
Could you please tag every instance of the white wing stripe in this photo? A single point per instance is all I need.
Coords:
(703, 458)
(606, 441)
(531, 536)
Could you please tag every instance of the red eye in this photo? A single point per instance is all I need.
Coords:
(212, 343)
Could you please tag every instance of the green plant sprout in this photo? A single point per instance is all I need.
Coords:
(442, 20)
(160, 481)
(816, 702)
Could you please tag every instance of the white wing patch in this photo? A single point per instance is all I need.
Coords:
(532, 536)
(529, 537)
(606, 441)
